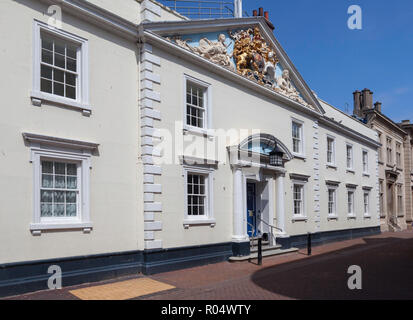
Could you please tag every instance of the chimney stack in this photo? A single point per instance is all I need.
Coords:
(266, 15)
(377, 106)
(367, 99)
(357, 104)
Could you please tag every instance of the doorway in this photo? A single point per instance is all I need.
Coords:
(251, 210)
(258, 208)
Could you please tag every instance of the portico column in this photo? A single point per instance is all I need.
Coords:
(280, 203)
(238, 214)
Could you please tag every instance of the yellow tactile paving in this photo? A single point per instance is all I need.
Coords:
(121, 290)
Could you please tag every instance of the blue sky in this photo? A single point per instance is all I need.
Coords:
(335, 60)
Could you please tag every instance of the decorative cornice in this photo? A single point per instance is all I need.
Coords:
(185, 27)
(385, 120)
(190, 160)
(353, 133)
(332, 182)
(173, 48)
(98, 16)
(351, 185)
(60, 142)
(298, 176)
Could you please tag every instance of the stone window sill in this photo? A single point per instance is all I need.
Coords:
(350, 217)
(37, 228)
(332, 218)
(199, 222)
(298, 218)
(299, 156)
(38, 98)
(198, 131)
(331, 166)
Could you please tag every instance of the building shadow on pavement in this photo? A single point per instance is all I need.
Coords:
(386, 264)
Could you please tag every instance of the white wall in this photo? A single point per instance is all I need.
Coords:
(235, 106)
(116, 195)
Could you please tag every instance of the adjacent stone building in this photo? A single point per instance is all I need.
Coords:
(408, 171)
(394, 164)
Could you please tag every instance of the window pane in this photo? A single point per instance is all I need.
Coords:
(71, 210)
(47, 57)
(59, 60)
(71, 182)
(70, 79)
(60, 168)
(59, 197)
(59, 47)
(47, 44)
(71, 169)
(47, 167)
(46, 210)
(47, 181)
(46, 72)
(58, 89)
(46, 86)
(70, 92)
(70, 197)
(58, 75)
(71, 64)
(46, 196)
(71, 51)
(59, 210)
(60, 182)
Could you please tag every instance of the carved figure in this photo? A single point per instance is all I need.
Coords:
(286, 87)
(269, 68)
(213, 51)
(254, 59)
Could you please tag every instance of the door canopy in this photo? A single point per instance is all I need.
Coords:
(263, 145)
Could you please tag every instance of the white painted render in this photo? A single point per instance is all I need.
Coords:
(137, 203)
(235, 106)
(116, 191)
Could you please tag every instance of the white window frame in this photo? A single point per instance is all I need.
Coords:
(333, 151)
(82, 86)
(208, 218)
(351, 167)
(334, 189)
(365, 164)
(206, 130)
(366, 212)
(55, 149)
(351, 214)
(303, 214)
(301, 153)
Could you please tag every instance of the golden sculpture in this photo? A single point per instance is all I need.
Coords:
(254, 59)
(252, 55)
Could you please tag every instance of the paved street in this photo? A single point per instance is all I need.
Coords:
(386, 262)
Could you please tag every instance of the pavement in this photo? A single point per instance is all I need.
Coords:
(386, 263)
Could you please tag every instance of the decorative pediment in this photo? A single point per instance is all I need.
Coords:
(246, 52)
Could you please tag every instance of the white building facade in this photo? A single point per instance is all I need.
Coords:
(142, 147)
